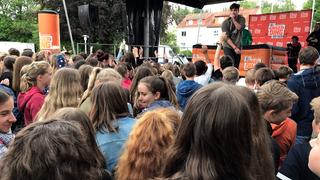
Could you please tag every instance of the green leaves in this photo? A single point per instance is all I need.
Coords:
(308, 5)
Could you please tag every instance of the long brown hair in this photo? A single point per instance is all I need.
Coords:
(109, 102)
(51, 149)
(78, 116)
(214, 141)
(150, 138)
(262, 165)
(17, 66)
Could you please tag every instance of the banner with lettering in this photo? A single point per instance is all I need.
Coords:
(276, 29)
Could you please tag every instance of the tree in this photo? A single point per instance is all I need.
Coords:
(18, 20)
(308, 5)
(110, 28)
(248, 4)
(179, 14)
(287, 5)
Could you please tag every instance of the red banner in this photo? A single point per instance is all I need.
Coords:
(276, 29)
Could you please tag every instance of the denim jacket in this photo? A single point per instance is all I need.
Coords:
(111, 143)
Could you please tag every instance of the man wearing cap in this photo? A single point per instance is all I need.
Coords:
(233, 27)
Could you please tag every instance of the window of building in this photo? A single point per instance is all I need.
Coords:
(183, 33)
(190, 22)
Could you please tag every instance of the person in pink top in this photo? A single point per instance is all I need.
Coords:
(123, 70)
(37, 78)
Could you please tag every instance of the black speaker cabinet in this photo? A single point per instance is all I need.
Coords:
(88, 15)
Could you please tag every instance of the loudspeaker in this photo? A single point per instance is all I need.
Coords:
(88, 15)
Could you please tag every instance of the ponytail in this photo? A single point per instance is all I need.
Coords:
(171, 94)
(91, 82)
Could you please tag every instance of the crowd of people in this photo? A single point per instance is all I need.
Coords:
(96, 117)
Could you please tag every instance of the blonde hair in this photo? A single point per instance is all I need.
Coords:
(100, 75)
(144, 152)
(315, 104)
(249, 78)
(275, 95)
(33, 70)
(65, 91)
(230, 75)
(167, 74)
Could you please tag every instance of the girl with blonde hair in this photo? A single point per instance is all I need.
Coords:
(144, 152)
(36, 79)
(97, 76)
(65, 91)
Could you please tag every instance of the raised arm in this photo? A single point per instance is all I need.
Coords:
(216, 63)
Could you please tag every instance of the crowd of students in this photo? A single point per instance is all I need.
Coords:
(93, 117)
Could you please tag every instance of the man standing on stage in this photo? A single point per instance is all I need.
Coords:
(233, 27)
(293, 50)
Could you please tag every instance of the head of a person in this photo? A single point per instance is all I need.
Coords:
(123, 70)
(41, 56)
(153, 88)
(168, 66)
(283, 73)
(99, 53)
(176, 70)
(92, 61)
(226, 61)
(128, 57)
(201, 67)
(57, 61)
(315, 105)
(76, 58)
(250, 79)
(317, 27)
(109, 102)
(6, 106)
(295, 39)
(85, 71)
(314, 156)
(146, 146)
(53, 148)
(78, 116)
(107, 75)
(8, 62)
(19, 63)
(79, 63)
(230, 75)
(14, 52)
(259, 65)
(141, 72)
(65, 91)
(84, 55)
(104, 60)
(38, 73)
(276, 101)
(234, 8)
(189, 70)
(216, 123)
(27, 52)
(308, 56)
(167, 74)
(263, 75)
